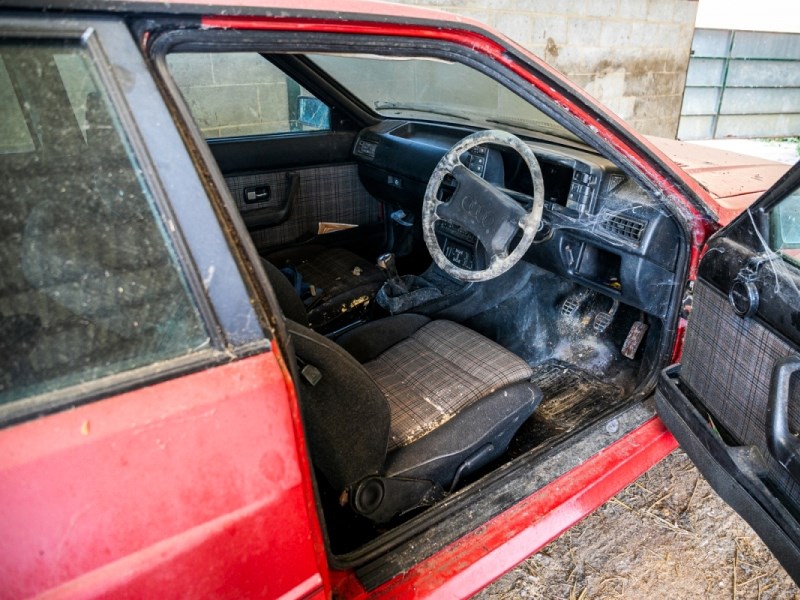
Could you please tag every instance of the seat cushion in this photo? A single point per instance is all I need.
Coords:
(343, 281)
(437, 372)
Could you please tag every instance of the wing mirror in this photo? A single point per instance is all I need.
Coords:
(312, 113)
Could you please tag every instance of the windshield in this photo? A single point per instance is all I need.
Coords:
(424, 88)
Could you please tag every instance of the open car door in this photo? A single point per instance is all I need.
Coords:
(734, 401)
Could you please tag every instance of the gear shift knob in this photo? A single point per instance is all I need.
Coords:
(393, 279)
(387, 263)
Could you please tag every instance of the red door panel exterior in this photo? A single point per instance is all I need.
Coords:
(190, 488)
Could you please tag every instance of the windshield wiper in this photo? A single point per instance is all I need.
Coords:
(418, 108)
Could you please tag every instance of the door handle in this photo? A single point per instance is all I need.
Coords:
(783, 444)
(266, 217)
(257, 194)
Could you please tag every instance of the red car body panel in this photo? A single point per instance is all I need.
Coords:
(733, 181)
(194, 487)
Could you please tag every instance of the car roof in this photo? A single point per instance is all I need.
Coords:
(336, 9)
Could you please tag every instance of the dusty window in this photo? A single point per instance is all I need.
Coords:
(420, 88)
(90, 283)
(237, 94)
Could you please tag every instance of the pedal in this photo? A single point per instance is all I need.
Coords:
(634, 339)
(603, 320)
(573, 303)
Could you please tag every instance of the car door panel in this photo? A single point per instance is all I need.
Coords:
(194, 484)
(153, 473)
(282, 151)
(734, 402)
(286, 173)
(728, 359)
(734, 471)
(301, 199)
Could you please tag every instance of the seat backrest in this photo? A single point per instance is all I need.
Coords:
(289, 301)
(345, 414)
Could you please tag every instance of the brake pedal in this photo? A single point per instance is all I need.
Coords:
(603, 320)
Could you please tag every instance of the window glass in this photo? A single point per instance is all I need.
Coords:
(785, 226)
(420, 88)
(90, 285)
(241, 93)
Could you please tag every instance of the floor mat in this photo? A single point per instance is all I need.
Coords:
(571, 397)
(565, 387)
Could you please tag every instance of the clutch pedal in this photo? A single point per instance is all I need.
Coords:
(573, 302)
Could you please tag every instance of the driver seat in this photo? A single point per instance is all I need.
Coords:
(402, 409)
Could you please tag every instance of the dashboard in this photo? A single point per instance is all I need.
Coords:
(599, 227)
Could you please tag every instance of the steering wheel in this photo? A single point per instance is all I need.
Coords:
(482, 209)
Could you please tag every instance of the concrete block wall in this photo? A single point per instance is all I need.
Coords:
(232, 94)
(632, 55)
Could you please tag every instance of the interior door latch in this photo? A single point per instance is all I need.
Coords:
(257, 194)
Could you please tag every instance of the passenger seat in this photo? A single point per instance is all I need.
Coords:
(336, 286)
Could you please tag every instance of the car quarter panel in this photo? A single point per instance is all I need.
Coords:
(191, 488)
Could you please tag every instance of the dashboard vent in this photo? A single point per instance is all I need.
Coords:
(625, 227)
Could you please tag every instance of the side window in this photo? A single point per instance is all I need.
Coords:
(241, 93)
(90, 284)
(784, 222)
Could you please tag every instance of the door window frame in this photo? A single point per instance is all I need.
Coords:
(216, 276)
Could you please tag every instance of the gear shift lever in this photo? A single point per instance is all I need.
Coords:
(401, 294)
(386, 262)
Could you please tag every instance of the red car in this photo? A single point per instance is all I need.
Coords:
(310, 299)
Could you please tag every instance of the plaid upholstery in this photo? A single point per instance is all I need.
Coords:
(330, 194)
(437, 372)
(727, 362)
